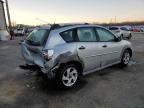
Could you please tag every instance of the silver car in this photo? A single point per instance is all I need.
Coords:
(68, 52)
(122, 31)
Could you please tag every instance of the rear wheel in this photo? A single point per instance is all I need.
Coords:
(130, 36)
(122, 36)
(68, 76)
(125, 58)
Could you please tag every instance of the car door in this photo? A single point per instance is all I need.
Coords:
(111, 49)
(88, 49)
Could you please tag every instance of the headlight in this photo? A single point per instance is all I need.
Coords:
(48, 54)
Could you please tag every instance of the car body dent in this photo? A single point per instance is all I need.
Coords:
(62, 55)
(26, 54)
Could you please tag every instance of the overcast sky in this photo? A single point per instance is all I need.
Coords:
(62, 11)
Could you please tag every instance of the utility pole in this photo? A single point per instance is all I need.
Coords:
(9, 20)
(8, 14)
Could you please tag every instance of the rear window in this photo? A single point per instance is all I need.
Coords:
(37, 37)
(113, 28)
(67, 36)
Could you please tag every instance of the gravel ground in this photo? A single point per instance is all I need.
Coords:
(114, 87)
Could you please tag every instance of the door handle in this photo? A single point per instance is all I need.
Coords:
(82, 48)
(104, 46)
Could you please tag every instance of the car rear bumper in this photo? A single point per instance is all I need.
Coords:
(26, 55)
(46, 67)
(51, 72)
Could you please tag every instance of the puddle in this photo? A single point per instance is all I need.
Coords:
(132, 62)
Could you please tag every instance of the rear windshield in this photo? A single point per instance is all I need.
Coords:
(37, 37)
(113, 28)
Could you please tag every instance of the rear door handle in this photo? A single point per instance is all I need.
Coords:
(82, 48)
(104, 46)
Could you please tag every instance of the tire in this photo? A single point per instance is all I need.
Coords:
(68, 76)
(125, 58)
(130, 36)
(122, 36)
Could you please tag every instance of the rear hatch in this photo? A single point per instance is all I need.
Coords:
(33, 45)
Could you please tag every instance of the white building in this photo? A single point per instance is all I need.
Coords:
(4, 35)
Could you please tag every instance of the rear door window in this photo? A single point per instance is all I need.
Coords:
(86, 35)
(37, 37)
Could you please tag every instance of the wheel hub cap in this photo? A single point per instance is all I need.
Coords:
(126, 58)
(70, 77)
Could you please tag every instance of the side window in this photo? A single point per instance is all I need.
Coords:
(105, 35)
(123, 28)
(67, 36)
(86, 35)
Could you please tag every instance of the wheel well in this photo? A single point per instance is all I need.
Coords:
(78, 64)
(129, 51)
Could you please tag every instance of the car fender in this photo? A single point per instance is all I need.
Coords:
(124, 48)
(64, 54)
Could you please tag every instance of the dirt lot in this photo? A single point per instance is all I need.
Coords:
(114, 87)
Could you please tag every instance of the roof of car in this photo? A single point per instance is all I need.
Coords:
(65, 27)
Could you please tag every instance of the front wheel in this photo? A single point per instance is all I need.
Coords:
(125, 58)
(68, 76)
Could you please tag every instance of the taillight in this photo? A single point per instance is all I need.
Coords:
(48, 54)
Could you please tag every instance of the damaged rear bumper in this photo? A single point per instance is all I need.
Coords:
(50, 72)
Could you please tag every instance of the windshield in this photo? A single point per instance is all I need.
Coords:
(37, 37)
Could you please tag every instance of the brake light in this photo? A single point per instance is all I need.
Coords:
(48, 54)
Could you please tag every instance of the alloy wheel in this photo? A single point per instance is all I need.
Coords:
(70, 76)
(126, 57)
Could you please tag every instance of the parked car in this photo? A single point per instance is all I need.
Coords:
(121, 31)
(142, 29)
(28, 31)
(68, 52)
(136, 29)
(19, 32)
